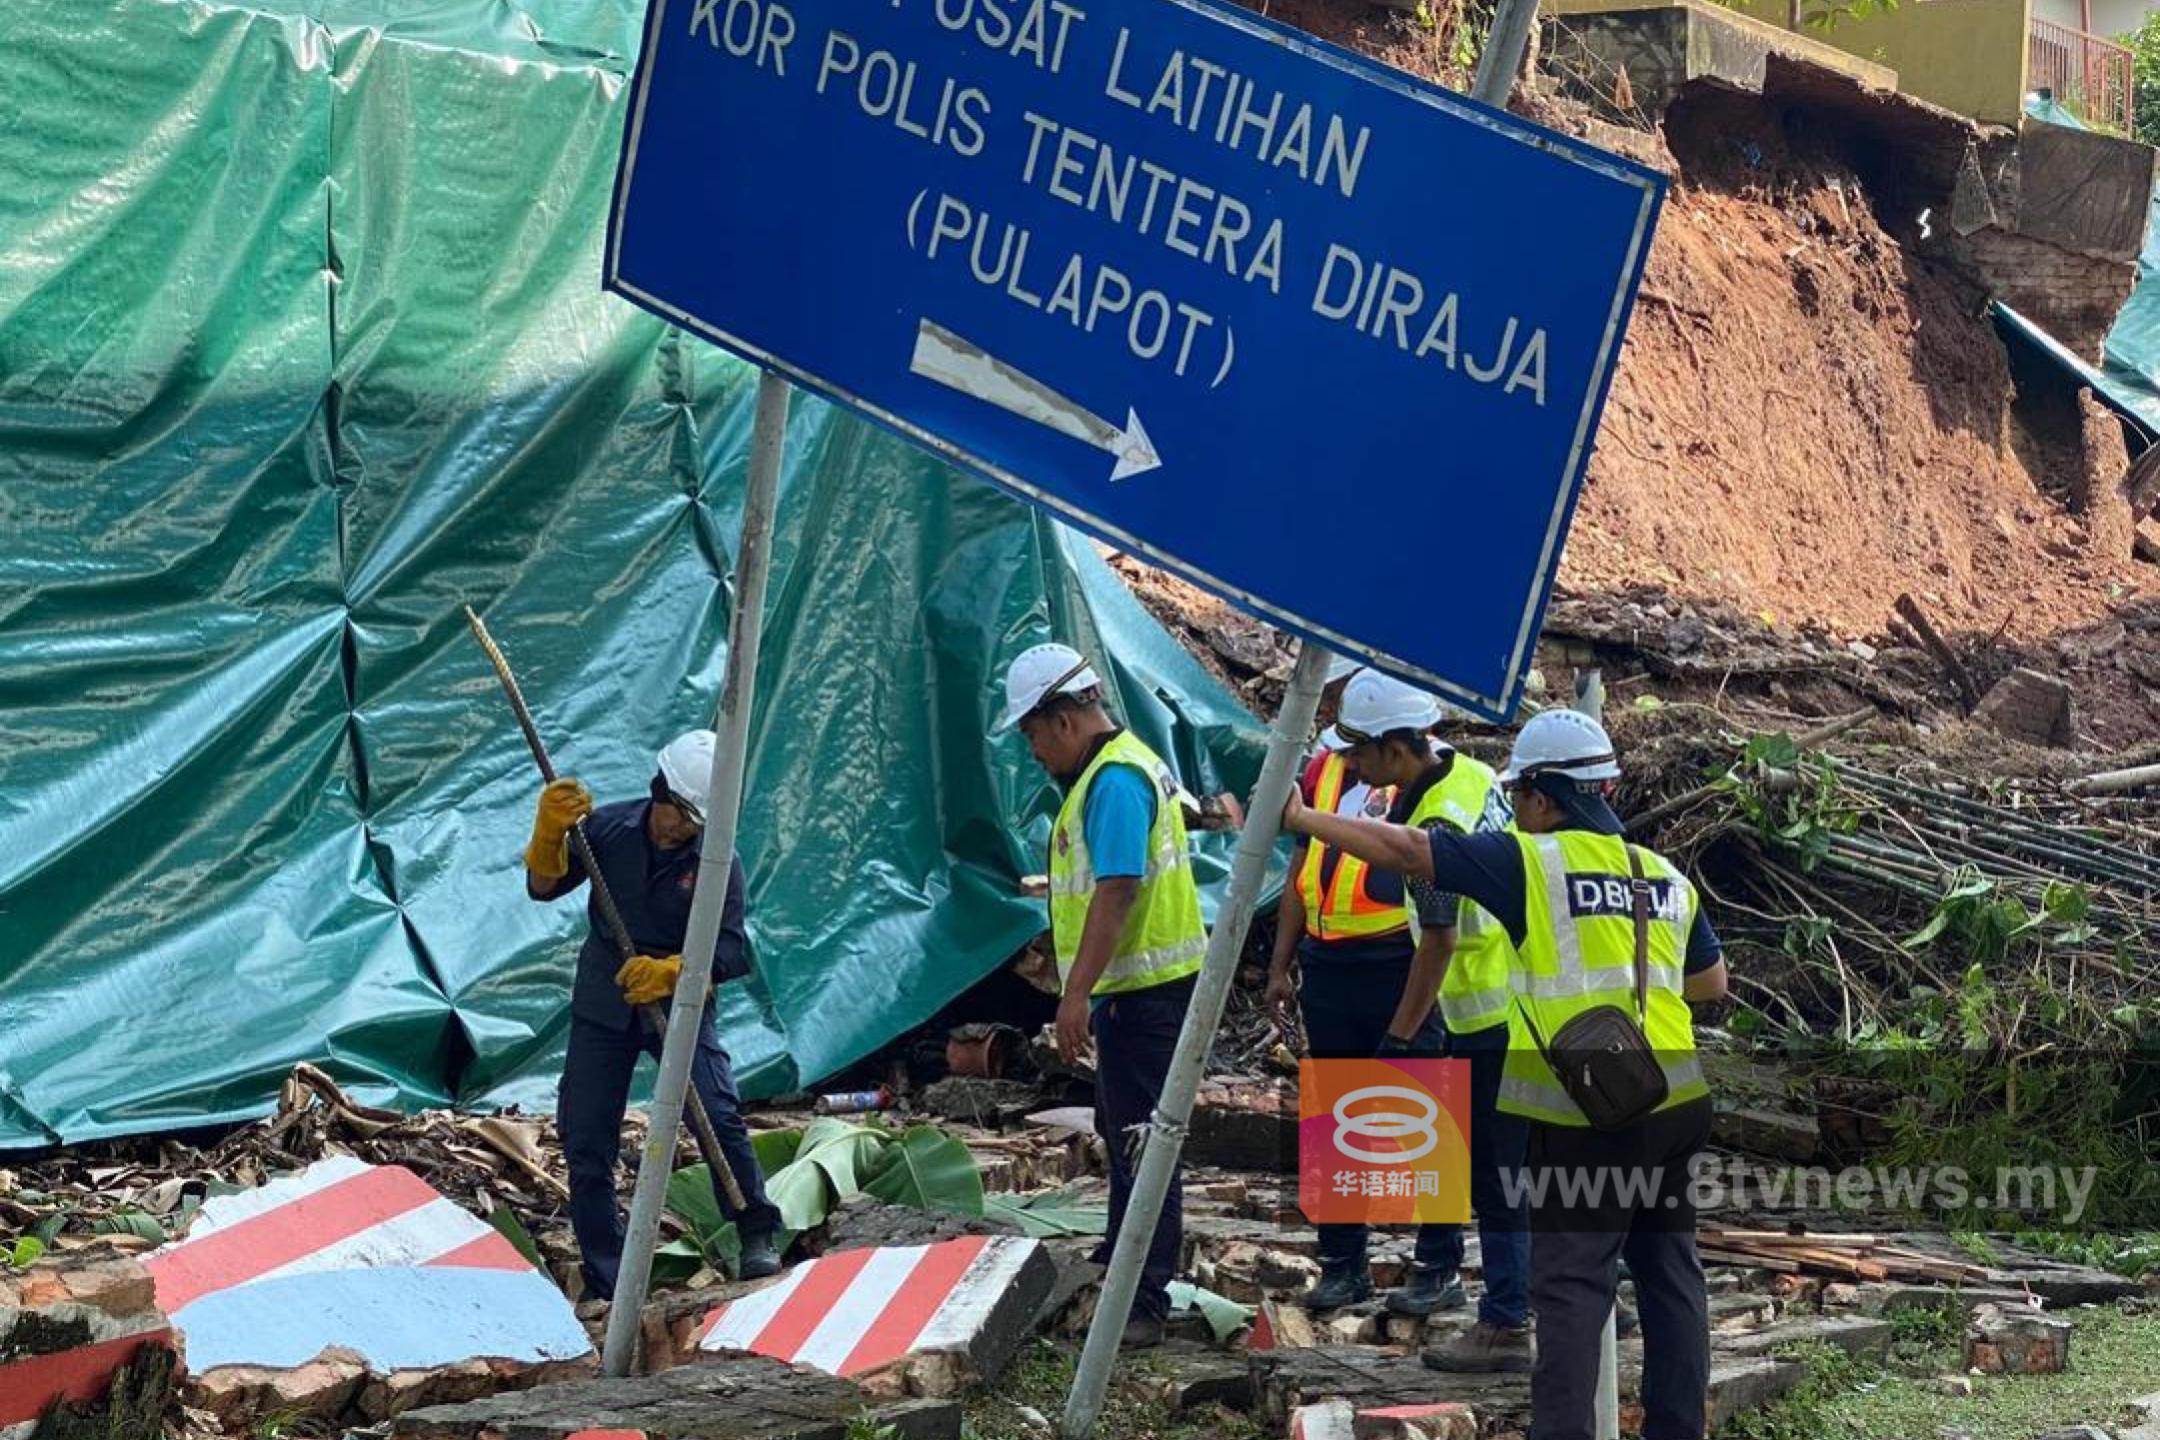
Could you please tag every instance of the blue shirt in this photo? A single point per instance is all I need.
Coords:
(1488, 868)
(1119, 814)
(652, 889)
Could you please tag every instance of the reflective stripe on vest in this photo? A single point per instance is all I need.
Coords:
(1474, 992)
(1578, 953)
(1164, 937)
(1347, 911)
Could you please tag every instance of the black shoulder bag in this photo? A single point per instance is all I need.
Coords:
(1602, 1057)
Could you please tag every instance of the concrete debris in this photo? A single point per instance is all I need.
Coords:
(863, 1223)
(915, 1319)
(1738, 1385)
(1248, 1124)
(1369, 1378)
(1760, 1130)
(292, 1294)
(2078, 1432)
(1854, 1334)
(2029, 706)
(975, 1100)
(1282, 1325)
(1448, 1421)
(2019, 1340)
(1183, 1376)
(2145, 1419)
(740, 1398)
(83, 1329)
(1248, 1272)
(1956, 1386)
(1740, 1313)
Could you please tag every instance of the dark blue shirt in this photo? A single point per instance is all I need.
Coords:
(1488, 868)
(652, 889)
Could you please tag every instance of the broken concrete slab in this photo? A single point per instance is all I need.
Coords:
(350, 1259)
(2017, 1340)
(1760, 1130)
(1246, 1124)
(73, 1329)
(1856, 1335)
(927, 1318)
(1737, 1386)
(1416, 1422)
(1370, 1378)
(976, 1100)
(1662, 48)
(2030, 706)
(1186, 1375)
(1337, 1419)
(739, 1398)
(863, 1223)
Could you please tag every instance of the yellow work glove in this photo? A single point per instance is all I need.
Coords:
(562, 804)
(646, 980)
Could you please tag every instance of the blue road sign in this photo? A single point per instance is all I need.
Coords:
(1324, 339)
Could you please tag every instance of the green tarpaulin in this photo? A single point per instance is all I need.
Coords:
(302, 347)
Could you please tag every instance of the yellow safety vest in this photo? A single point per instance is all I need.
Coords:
(1578, 952)
(1164, 937)
(1474, 993)
(1346, 910)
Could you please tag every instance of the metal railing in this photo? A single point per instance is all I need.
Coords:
(2084, 72)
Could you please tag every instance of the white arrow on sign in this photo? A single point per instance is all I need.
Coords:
(961, 365)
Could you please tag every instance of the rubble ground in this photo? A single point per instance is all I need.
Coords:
(1040, 1379)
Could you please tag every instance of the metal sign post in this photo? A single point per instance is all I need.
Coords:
(1165, 1139)
(1000, 230)
(723, 810)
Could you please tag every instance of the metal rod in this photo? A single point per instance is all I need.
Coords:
(723, 809)
(1606, 1424)
(708, 1140)
(1503, 52)
(1165, 1132)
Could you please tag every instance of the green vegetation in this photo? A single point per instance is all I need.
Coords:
(2144, 46)
(807, 1173)
(2114, 1358)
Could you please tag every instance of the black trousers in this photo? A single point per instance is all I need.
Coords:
(589, 1117)
(1136, 1034)
(1346, 1010)
(1596, 1196)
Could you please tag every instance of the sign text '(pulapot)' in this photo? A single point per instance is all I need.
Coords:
(1204, 223)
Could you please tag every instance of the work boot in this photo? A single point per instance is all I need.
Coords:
(1142, 1331)
(1427, 1291)
(1340, 1284)
(1483, 1349)
(760, 1257)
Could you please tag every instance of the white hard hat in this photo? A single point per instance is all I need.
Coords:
(686, 766)
(1374, 704)
(1565, 742)
(1040, 672)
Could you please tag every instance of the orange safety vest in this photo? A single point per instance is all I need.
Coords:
(1346, 911)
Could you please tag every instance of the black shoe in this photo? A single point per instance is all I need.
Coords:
(760, 1257)
(1339, 1285)
(1142, 1331)
(1427, 1292)
(1483, 1349)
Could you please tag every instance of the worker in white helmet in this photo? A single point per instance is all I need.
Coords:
(1609, 941)
(648, 851)
(1124, 923)
(1420, 974)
